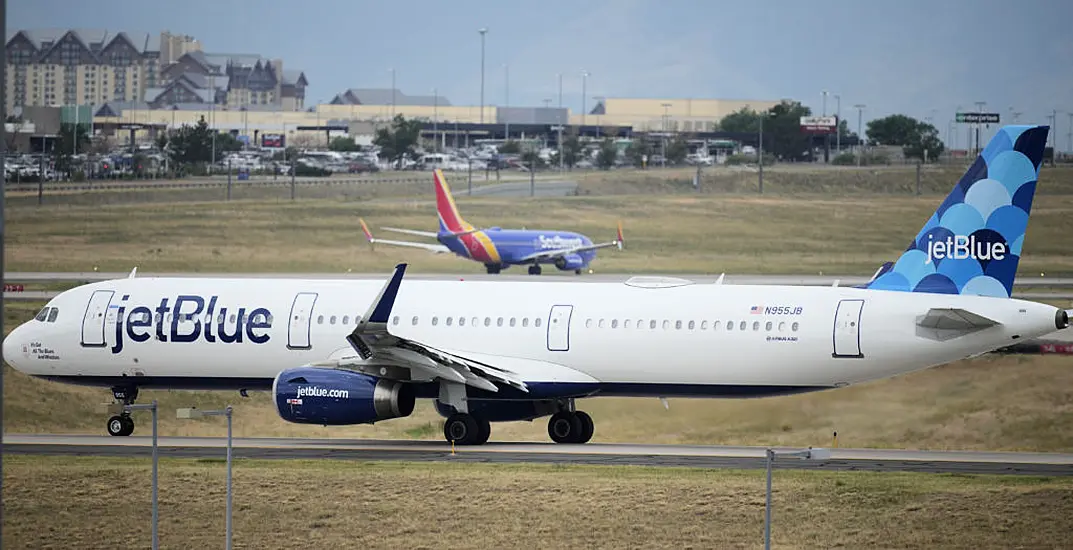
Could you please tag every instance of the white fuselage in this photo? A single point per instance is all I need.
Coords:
(676, 340)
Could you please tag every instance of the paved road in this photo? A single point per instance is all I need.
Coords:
(593, 453)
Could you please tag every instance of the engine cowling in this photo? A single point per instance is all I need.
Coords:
(334, 397)
(569, 262)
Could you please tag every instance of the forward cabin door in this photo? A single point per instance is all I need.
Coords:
(93, 319)
(559, 328)
(847, 329)
(300, 321)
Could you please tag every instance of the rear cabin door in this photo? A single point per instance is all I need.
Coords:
(301, 318)
(559, 328)
(93, 320)
(847, 329)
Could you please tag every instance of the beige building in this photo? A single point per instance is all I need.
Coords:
(672, 115)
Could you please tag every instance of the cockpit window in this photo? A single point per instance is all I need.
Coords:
(43, 314)
(53, 314)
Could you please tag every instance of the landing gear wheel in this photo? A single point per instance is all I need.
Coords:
(492, 269)
(534, 270)
(564, 427)
(577, 272)
(484, 431)
(587, 427)
(461, 428)
(120, 426)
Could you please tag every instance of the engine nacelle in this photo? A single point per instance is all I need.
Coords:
(569, 262)
(333, 397)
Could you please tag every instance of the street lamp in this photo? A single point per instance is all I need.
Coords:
(483, 32)
(506, 115)
(663, 137)
(584, 81)
(435, 119)
(838, 123)
(805, 454)
(392, 70)
(860, 137)
(192, 413)
(126, 409)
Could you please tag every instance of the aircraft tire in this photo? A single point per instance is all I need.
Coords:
(565, 427)
(120, 426)
(534, 270)
(492, 269)
(484, 431)
(463, 429)
(587, 427)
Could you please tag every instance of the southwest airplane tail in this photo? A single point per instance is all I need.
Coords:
(973, 242)
(352, 351)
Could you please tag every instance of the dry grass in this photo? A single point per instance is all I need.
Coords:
(996, 402)
(707, 233)
(104, 503)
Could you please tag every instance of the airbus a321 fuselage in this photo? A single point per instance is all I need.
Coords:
(340, 352)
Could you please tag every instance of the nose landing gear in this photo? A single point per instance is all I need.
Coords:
(122, 425)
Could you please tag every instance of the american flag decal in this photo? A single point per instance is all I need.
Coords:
(294, 401)
(756, 310)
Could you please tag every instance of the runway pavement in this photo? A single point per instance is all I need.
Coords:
(964, 462)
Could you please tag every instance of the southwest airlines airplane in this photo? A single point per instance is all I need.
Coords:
(498, 248)
(337, 352)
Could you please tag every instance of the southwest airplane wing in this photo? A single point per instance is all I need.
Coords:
(555, 253)
(437, 248)
(380, 351)
(432, 234)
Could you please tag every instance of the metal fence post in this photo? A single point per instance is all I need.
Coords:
(229, 410)
(156, 458)
(767, 506)
(918, 178)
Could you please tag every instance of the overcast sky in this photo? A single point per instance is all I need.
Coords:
(908, 56)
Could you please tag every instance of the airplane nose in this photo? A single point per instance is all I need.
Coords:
(13, 347)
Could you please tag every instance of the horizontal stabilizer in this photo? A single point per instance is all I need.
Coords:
(949, 323)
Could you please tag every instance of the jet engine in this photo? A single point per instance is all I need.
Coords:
(334, 397)
(569, 262)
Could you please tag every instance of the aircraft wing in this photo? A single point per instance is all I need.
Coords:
(555, 253)
(383, 354)
(437, 248)
(431, 234)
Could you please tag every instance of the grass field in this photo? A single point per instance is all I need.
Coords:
(994, 402)
(104, 503)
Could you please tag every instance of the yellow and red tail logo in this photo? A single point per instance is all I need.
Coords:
(450, 219)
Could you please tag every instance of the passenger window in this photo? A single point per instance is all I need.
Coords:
(756, 325)
(461, 321)
(626, 323)
(473, 322)
(640, 324)
(767, 327)
(666, 324)
(678, 325)
(357, 319)
(435, 321)
(332, 320)
(742, 325)
(320, 319)
(395, 321)
(220, 318)
(730, 325)
(704, 325)
(652, 324)
(499, 322)
(536, 322)
(414, 321)
(512, 321)
(487, 321)
(600, 324)
(52, 314)
(782, 326)
(525, 322)
(448, 321)
(715, 325)
(691, 325)
(793, 327)
(346, 319)
(614, 323)
(588, 323)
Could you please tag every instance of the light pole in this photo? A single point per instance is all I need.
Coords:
(227, 411)
(392, 70)
(1069, 134)
(838, 123)
(506, 115)
(805, 454)
(860, 137)
(979, 109)
(825, 103)
(435, 119)
(212, 117)
(560, 75)
(584, 81)
(483, 32)
(663, 138)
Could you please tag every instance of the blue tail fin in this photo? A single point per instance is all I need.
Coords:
(972, 243)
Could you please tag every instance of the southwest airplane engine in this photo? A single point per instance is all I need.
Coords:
(569, 262)
(334, 397)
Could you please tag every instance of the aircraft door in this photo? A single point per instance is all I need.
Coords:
(93, 320)
(847, 329)
(299, 325)
(559, 328)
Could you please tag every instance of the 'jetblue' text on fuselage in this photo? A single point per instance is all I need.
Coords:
(192, 318)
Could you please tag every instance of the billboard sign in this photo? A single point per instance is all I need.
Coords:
(273, 141)
(977, 118)
(819, 124)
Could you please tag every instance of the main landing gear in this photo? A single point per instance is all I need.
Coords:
(493, 269)
(570, 427)
(564, 427)
(122, 424)
(534, 269)
(466, 429)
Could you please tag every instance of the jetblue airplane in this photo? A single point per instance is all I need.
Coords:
(498, 248)
(338, 352)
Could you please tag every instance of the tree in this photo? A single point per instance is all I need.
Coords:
(677, 149)
(571, 150)
(605, 158)
(399, 140)
(782, 131)
(531, 158)
(918, 139)
(844, 131)
(745, 120)
(638, 149)
(509, 147)
(72, 139)
(343, 144)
